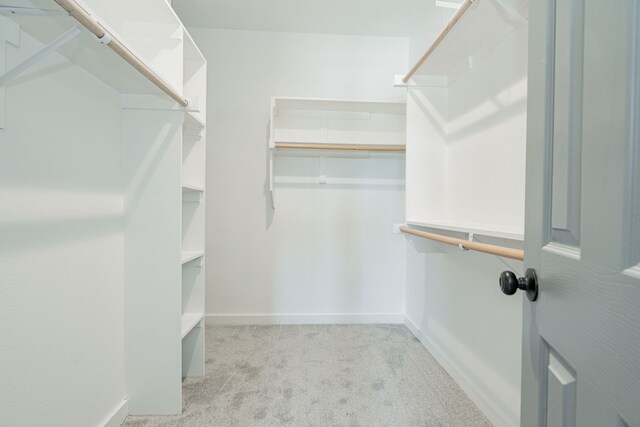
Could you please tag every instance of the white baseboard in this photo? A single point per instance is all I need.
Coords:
(304, 319)
(118, 415)
(496, 416)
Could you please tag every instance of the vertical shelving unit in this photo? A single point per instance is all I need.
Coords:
(193, 213)
(160, 74)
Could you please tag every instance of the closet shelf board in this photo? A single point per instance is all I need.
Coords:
(192, 123)
(342, 147)
(327, 104)
(192, 189)
(491, 230)
(191, 256)
(190, 321)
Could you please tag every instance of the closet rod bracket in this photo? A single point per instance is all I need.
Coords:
(63, 39)
(104, 40)
(193, 105)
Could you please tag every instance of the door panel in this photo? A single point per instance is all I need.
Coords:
(589, 315)
(610, 74)
(561, 393)
(634, 158)
(581, 339)
(567, 122)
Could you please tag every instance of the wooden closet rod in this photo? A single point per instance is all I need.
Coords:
(341, 147)
(452, 23)
(91, 24)
(476, 246)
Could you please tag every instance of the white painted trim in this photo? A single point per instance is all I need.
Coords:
(491, 410)
(563, 250)
(117, 417)
(304, 319)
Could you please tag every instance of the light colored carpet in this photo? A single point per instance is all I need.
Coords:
(317, 375)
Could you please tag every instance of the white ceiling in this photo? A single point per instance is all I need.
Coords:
(401, 18)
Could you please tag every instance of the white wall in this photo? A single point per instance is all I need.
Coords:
(326, 252)
(455, 307)
(61, 241)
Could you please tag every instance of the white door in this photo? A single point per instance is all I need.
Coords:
(581, 349)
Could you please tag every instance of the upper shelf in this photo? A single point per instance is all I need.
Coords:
(136, 51)
(476, 27)
(491, 230)
(327, 104)
(316, 146)
(331, 123)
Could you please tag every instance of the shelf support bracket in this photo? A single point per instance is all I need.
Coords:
(322, 179)
(272, 189)
(64, 38)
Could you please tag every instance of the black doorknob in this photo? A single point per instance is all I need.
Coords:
(510, 283)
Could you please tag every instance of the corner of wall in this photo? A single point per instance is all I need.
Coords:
(469, 385)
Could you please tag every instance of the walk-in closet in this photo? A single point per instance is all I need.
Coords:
(319, 213)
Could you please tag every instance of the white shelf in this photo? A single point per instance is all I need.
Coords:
(193, 125)
(479, 29)
(190, 321)
(332, 121)
(192, 189)
(189, 256)
(329, 104)
(322, 127)
(511, 233)
(85, 51)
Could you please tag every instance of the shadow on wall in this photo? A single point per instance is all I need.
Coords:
(333, 251)
(27, 236)
(467, 322)
(329, 171)
(490, 93)
(453, 125)
(268, 196)
(144, 161)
